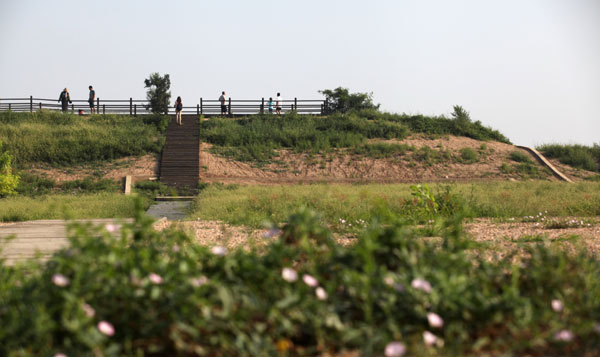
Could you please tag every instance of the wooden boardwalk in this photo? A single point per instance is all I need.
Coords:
(41, 238)
(180, 161)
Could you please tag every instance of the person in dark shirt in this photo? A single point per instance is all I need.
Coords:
(178, 109)
(64, 100)
(91, 99)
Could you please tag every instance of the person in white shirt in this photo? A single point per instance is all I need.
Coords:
(278, 104)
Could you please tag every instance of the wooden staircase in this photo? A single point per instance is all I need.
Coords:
(180, 161)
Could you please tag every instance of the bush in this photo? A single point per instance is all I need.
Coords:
(158, 93)
(468, 156)
(580, 156)
(159, 293)
(520, 156)
(8, 180)
(340, 100)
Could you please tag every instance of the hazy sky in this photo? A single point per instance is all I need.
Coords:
(530, 68)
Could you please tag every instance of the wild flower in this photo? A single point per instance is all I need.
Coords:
(395, 349)
(218, 250)
(435, 320)
(89, 311)
(106, 328)
(429, 338)
(421, 284)
(564, 336)
(135, 281)
(597, 327)
(60, 280)
(155, 278)
(198, 282)
(557, 305)
(111, 228)
(310, 280)
(389, 281)
(175, 248)
(60, 355)
(321, 293)
(289, 275)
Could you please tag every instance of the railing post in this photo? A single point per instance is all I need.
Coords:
(31, 104)
(135, 110)
(40, 105)
(72, 108)
(197, 109)
(97, 105)
(322, 108)
(262, 106)
(201, 109)
(9, 107)
(130, 106)
(229, 110)
(296, 103)
(103, 108)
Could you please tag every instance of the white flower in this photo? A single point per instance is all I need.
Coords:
(395, 349)
(563, 335)
(155, 278)
(557, 305)
(429, 338)
(321, 293)
(106, 328)
(388, 280)
(60, 280)
(421, 284)
(198, 282)
(310, 280)
(111, 228)
(434, 320)
(289, 275)
(218, 250)
(60, 355)
(89, 311)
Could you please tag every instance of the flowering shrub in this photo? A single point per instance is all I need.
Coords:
(391, 293)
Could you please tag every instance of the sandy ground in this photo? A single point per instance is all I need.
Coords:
(496, 236)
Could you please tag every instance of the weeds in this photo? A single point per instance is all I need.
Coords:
(580, 156)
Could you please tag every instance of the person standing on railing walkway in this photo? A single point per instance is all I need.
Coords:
(178, 108)
(64, 100)
(223, 106)
(270, 105)
(91, 99)
(279, 104)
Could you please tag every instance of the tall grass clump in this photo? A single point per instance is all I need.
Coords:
(145, 292)
(65, 139)
(580, 156)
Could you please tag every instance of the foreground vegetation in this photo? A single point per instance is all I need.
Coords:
(159, 293)
(69, 206)
(66, 139)
(255, 138)
(579, 156)
(252, 205)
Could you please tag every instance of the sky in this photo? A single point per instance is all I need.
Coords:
(530, 69)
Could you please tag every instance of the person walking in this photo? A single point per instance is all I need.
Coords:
(178, 109)
(279, 104)
(64, 100)
(91, 99)
(223, 106)
(271, 105)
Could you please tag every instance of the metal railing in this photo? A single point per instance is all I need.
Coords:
(134, 107)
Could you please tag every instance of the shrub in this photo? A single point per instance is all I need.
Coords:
(580, 156)
(468, 156)
(158, 93)
(341, 100)
(8, 180)
(159, 293)
(520, 156)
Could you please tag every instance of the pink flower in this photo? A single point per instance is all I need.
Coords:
(597, 328)
(564, 336)
(395, 349)
(106, 328)
(421, 284)
(435, 320)
(557, 305)
(155, 278)
(175, 248)
(310, 280)
(60, 355)
(321, 293)
(198, 282)
(60, 280)
(429, 338)
(89, 311)
(289, 275)
(218, 250)
(111, 228)
(389, 281)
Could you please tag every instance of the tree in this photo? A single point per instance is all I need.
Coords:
(8, 181)
(341, 100)
(158, 93)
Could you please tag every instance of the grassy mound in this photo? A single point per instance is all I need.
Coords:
(580, 156)
(159, 293)
(255, 138)
(65, 139)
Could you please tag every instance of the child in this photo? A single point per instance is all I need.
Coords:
(270, 105)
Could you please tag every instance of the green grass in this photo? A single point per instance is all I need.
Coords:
(252, 205)
(162, 294)
(255, 138)
(468, 156)
(580, 156)
(64, 139)
(520, 156)
(67, 206)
